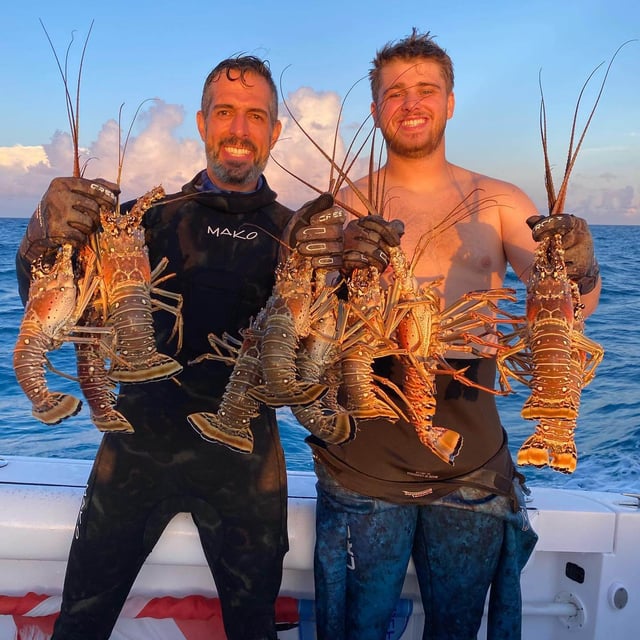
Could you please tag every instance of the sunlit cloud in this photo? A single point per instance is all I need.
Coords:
(600, 203)
(21, 157)
(311, 116)
(156, 154)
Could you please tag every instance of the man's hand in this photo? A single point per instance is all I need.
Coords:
(316, 231)
(367, 241)
(577, 242)
(69, 212)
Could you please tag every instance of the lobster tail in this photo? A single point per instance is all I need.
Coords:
(137, 358)
(157, 367)
(55, 407)
(278, 357)
(333, 426)
(98, 390)
(28, 364)
(231, 425)
(363, 399)
(211, 428)
(553, 445)
(444, 443)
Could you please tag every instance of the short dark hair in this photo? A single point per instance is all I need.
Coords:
(241, 64)
(416, 45)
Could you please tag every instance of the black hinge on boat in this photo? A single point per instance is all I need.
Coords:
(635, 504)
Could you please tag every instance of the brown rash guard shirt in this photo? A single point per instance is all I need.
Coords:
(386, 460)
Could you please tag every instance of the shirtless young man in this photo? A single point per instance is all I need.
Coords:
(383, 497)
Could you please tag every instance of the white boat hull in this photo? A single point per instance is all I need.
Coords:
(582, 581)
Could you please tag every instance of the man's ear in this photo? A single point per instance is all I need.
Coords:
(374, 113)
(275, 134)
(451, 105)
(201, 124)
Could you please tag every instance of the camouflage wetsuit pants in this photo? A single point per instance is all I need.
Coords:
(461, 545)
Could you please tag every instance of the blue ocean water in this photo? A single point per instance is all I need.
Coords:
(608, 433)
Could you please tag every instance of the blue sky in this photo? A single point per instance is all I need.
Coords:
(318, 52)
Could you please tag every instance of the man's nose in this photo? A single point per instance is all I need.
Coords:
(411, 101)
(239, 125)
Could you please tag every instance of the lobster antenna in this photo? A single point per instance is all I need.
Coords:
(78, 83)
(334, 186)
(556, 205)
(548, 176)
(73, 112)
(343, 169)
(376, 198)
(370, 194)
(122, 148)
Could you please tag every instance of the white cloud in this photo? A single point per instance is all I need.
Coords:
(317, 114)
(21, 157)
(605, 205)
(153, 156)
(156, 155)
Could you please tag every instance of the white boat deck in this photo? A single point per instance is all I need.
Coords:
(583, 580)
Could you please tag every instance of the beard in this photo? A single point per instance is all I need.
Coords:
(418, 148)
(236, 173)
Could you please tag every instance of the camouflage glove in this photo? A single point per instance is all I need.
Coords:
(577, 242)
(367, 241)
(68, 213)
(316, 231)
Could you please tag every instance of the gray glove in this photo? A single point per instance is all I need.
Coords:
(577, 242)
(69, 212)
(367, 241)
(316, 231)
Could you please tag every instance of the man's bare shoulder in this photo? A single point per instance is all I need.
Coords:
(492, 186)
(508, 197)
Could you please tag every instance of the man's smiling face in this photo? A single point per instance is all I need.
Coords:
(412, 106)
(238, 130)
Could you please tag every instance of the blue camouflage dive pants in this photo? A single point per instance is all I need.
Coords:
(461, 545)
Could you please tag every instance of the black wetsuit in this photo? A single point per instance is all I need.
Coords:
(223, 249)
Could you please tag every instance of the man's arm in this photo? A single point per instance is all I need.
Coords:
(520, 240)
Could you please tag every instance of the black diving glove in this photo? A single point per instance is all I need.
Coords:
(577, 242)
(367, 241)
(68, 213)
(316, 231)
